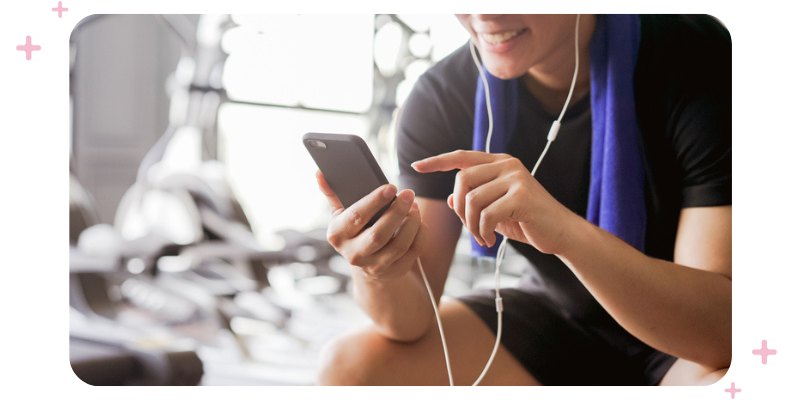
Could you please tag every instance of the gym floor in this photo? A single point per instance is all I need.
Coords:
(288, 356)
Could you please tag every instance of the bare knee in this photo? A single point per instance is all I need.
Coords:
(687, 373)
(336, 361)
(352, 359)
(713, 377)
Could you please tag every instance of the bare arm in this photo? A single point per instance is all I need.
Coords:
(401, 307)
(386, 280)
(682, 308)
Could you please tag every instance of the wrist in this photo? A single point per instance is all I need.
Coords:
(578, 235)
(398, 306)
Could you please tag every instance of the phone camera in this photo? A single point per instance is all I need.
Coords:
(317, 143)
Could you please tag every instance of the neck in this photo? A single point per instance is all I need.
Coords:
(550, 81)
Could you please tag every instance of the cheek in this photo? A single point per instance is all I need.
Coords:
(464, 19)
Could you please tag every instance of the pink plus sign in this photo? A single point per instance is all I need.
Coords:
(60, 9)
(764, 352)
(733, 390)
(28, 48)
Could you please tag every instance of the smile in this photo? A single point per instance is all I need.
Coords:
(498, 38)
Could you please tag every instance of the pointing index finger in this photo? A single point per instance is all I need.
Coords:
(458, 159)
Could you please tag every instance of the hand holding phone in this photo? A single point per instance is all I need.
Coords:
(369, 226)
(348, 166)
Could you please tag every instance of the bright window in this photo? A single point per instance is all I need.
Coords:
(279, 67)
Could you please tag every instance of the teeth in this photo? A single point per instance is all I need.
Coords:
(500, 37)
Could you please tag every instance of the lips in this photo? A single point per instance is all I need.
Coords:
(498, 38)
(501, 42)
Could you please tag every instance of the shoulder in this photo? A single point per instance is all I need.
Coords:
(691, 48)
(452, 78)
(692, 29)
(443, 98)
(684, 65)
(682, 86)
(437, 118)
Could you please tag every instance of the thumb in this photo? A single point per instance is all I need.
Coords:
(336, 205)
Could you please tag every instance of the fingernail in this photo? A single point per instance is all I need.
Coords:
(389, 191)
(406, 196)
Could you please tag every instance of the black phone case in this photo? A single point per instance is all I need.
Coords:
(348, 166)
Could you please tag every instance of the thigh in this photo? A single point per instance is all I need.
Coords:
(379, 361)
(559, 350)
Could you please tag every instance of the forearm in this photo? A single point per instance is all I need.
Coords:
(684, 310)
(680, 310)
(399, 307)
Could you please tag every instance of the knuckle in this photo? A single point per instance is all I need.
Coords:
(334, 238)
(395, 252)
(462, 175)
(403, 249)
(356, 259)
(514, 162)
(357, 218)
(515, 175)
(400, 248)
(375, 238)
(507, 160)
(517, 193)
(371, 271)
(472, 197)
(376, 270)
(396, 246)
(485, 217)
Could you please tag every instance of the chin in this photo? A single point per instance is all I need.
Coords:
(504, 71)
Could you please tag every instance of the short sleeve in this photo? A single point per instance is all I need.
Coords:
(701, 119)
(703, 149)
(432, 121)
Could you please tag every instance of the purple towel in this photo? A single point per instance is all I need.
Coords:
(617, 190)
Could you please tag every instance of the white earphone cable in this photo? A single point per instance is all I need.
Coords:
(551, 136)
(574, 74)
(438, 321)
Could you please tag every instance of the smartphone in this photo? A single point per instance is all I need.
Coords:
(347, 164)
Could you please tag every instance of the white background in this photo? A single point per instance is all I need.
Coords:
(34, 358)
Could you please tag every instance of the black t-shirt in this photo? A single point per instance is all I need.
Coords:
(682, 87)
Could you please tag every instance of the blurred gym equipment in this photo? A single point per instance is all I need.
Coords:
(176, 290)
(181, 265)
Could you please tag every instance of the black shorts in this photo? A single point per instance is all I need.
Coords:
(557, 349)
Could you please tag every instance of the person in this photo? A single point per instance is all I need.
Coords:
(592, 309)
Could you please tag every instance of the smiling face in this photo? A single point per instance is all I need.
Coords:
(512, 44)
